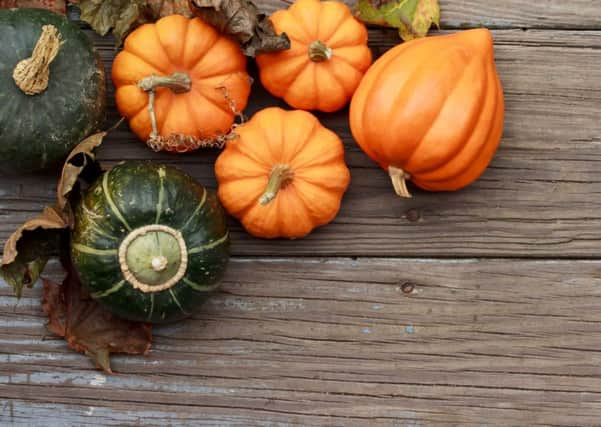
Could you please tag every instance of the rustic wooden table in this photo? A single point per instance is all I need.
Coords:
(478, 307)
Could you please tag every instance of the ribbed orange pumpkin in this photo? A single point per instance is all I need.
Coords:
(326, 60)
(284, 175)
(431, 110)
(199, 76)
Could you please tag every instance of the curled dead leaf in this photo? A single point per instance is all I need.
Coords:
(81, 163)
(242, 20)
(27, 250)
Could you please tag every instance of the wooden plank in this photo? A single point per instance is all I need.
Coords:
(539, 197)
(337, 342)
(582, 14)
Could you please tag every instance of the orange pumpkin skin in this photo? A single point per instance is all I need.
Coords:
(319, 83)
(272, 139)
(432, 110)
(214, 64)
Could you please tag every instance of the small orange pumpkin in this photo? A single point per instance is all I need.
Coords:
(431, 110)
(327, 57)
(283, 175)
(192, 77)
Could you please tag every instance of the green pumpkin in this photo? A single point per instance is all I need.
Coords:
(149, 242)
(37, 131)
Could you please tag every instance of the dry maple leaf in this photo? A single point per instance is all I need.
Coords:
(89, 328)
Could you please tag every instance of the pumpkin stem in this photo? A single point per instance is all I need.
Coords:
(281, 176)
(153, 273)
(319, 51)
(399, 181)
(31, 74)
(178, 82)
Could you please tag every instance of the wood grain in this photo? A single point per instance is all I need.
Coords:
(582, 14)
(338, 342)
(538, 198)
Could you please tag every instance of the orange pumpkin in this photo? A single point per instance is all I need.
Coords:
(193, 77)
(283, 175)
(431, 110)
(327, 57)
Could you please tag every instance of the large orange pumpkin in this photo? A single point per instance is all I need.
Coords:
(431, 110)
(327, 57)
(283, 175)
(196, 76)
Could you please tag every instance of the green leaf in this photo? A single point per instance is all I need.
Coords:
(413, 18)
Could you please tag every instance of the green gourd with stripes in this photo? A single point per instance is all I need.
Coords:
(149, 242)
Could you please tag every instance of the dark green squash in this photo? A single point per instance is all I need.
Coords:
(37, 131)
(149, 242)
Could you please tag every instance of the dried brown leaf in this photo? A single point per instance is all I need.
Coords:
(242, 20)
(27, 250)
(81, 161)
(87, 327)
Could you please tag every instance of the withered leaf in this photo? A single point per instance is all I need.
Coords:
(104, 15)
(122, 16)
(58, 6)
(27, 250)
(157, 8)
(242, 20)
(413, 18)
(81, 163)
(87, 327)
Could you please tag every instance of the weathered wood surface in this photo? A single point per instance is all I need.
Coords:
(422, 312)
(338, 342)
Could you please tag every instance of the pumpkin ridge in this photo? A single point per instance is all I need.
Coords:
(151, 309)
(143, 107)
(165, 71)
(248, 153)
(176, 301)
(296, 74)
(303, 145)
(317, 219)
(343, 16)
(111, 203)
(173, 57)
(198, 287)
(476, 165)
(161, 196)
(115, 288)
(211, 101)
(489, 91)
(365, 91)
(438, 115)
(416, 76)
(196, 210)
(406, 87)
(342, 22)
(302, 24)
